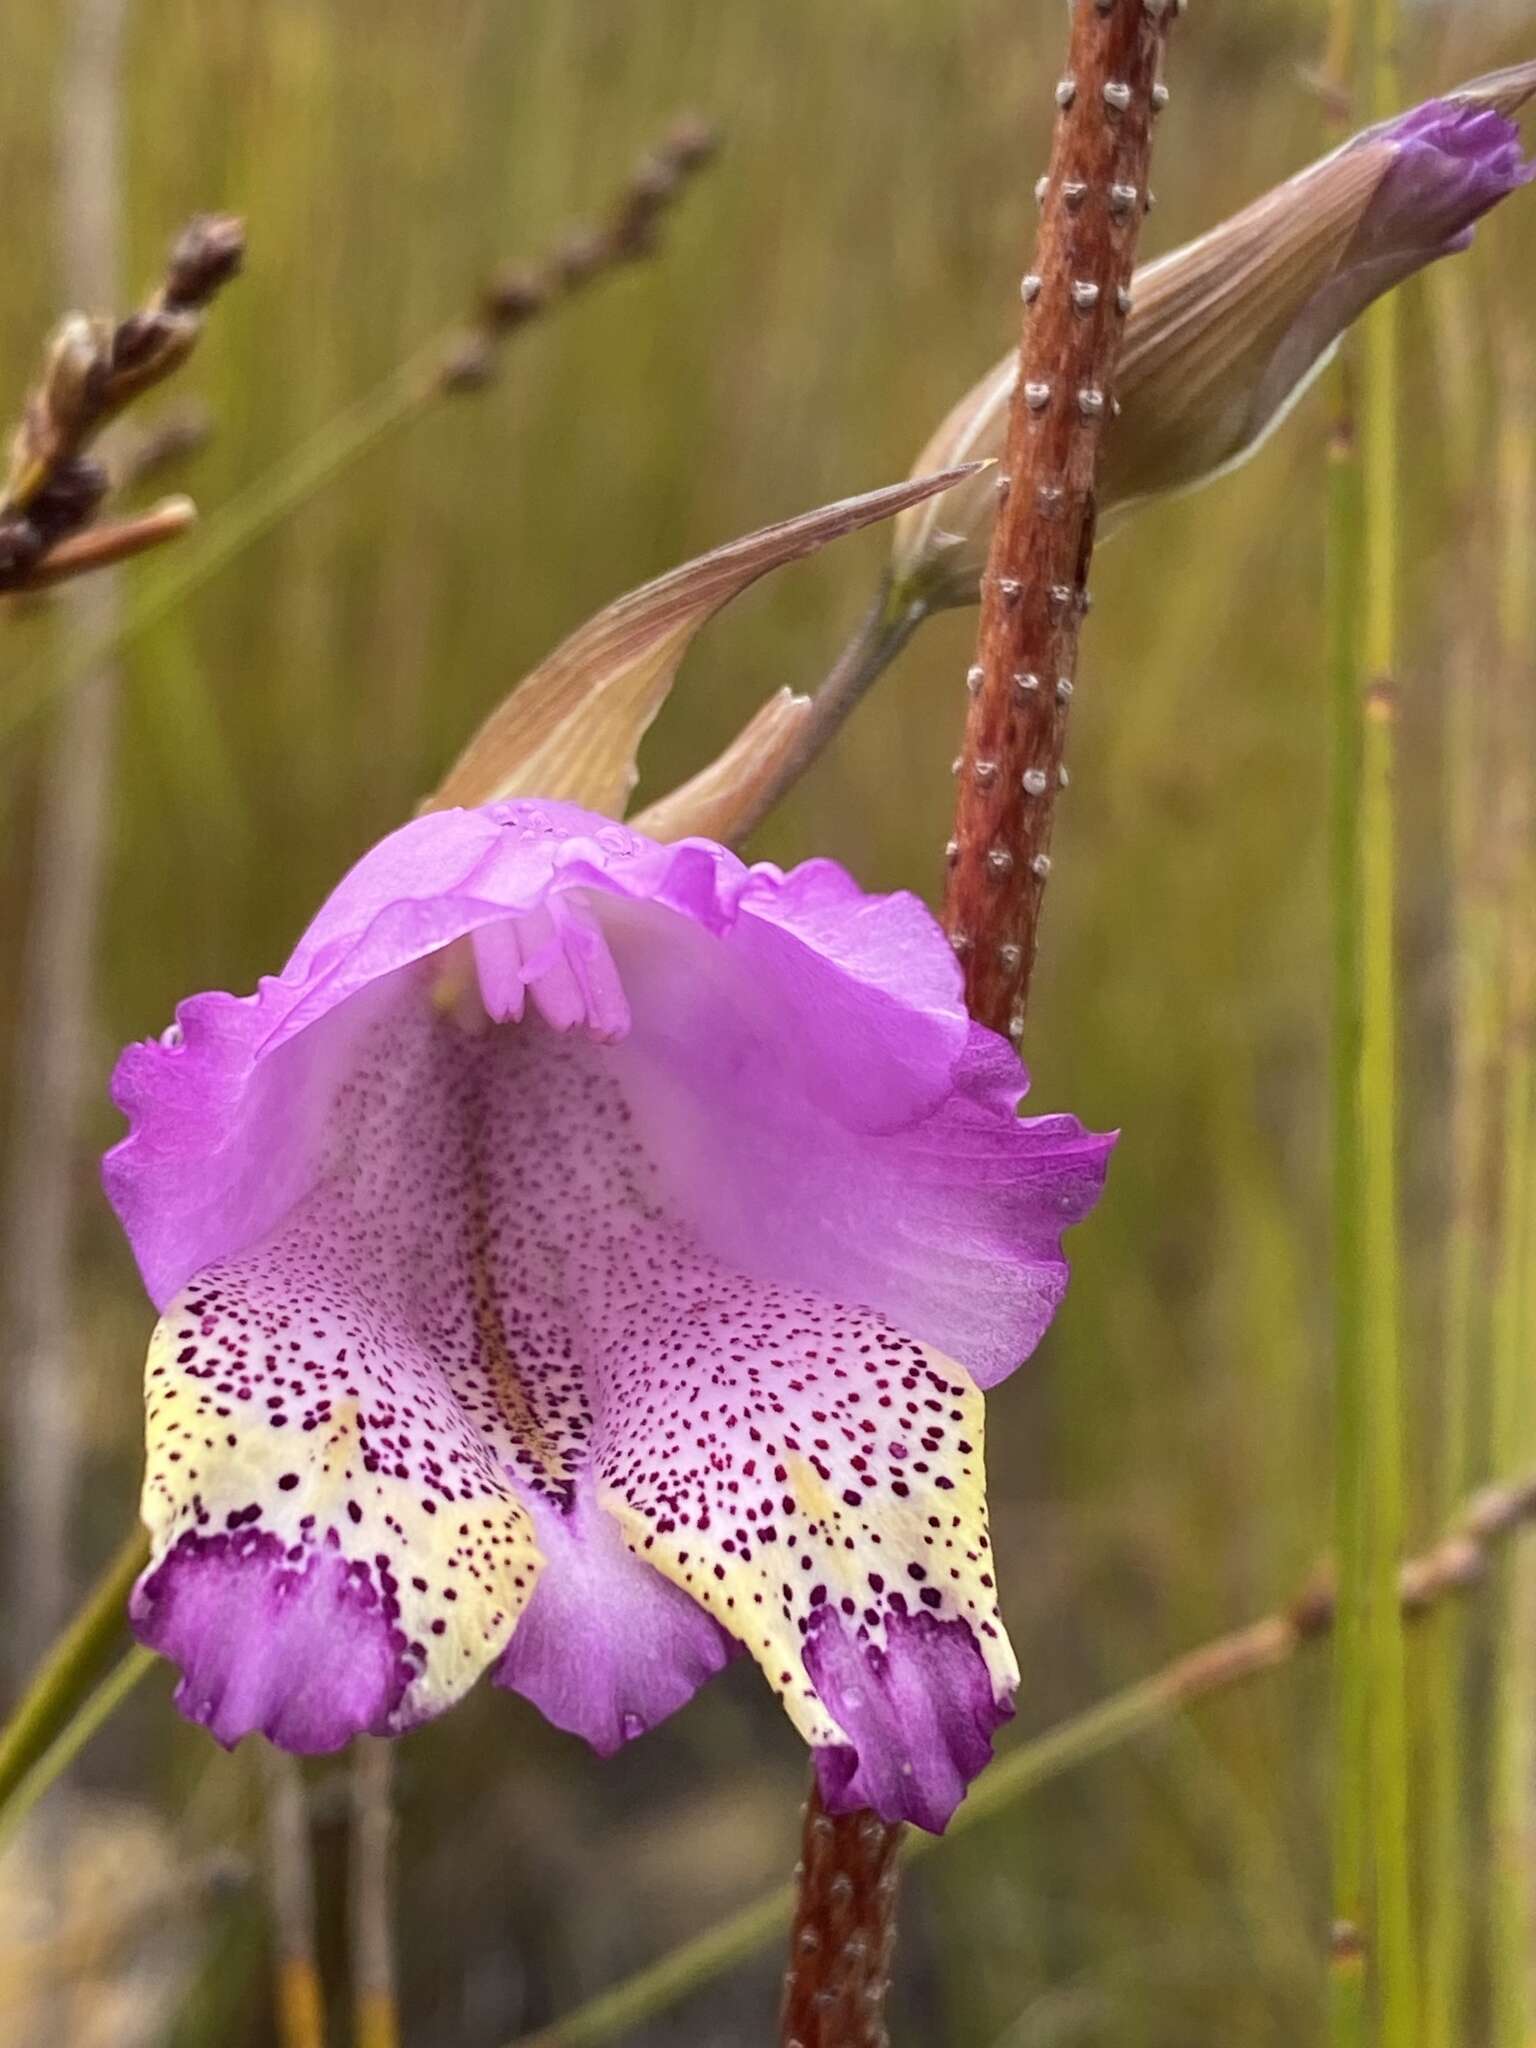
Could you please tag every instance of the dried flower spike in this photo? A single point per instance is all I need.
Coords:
(94, 369)
(629, 232)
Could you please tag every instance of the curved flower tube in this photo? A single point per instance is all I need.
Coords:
(584, 1260)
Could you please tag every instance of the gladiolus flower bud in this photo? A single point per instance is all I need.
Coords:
(1225, 334)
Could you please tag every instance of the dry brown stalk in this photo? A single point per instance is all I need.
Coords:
(371, 1890)
(95, 367)
(1076, 296)
(290, 1874)
(113, 541)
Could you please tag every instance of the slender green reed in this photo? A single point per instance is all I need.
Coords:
(1509, 1785)
(1351, 1792)
(1344, 581)
(1392, 1935)
(72, 1737)
(1445, 1729)
(1511, 1405)
(1372, 1901)
(64, 1677)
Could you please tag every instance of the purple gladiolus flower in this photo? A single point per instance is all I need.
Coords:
(583, 1261)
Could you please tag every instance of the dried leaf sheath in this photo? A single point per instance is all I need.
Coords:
(712, 802)
(571, 729)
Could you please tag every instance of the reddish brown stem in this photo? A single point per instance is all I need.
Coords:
(1034, 593)
(844, 1931)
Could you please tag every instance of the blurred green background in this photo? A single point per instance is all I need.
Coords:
(1161, 1470)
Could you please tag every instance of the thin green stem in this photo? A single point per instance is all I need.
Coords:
(1490, 1524)
(1351, 1791)
(1444, 1725)
(1343, 605)
(1511, 1747)
(1078, 1741)
(65, 1676)
(1511, 1404)
(1392, 1944)
(1392, 1947)
(72, 1737)
(880, 636)
(1445, 1733)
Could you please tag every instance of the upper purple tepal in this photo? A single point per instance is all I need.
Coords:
(1454, 161)
(583, 1261)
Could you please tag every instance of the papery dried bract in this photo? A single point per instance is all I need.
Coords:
(573, 727)
(58, 410)
(1225, 334)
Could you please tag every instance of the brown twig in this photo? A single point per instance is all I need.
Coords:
(1034, 594)
(628, 232)
(463, 359)
(100, 547)
(95, 367)
(1076, 297)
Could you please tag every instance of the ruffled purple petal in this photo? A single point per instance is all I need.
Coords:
(799, 1052)
(921, 1713)
(607, 1647)
(300, 1653)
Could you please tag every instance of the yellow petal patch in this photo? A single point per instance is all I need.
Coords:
(284, 1420)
